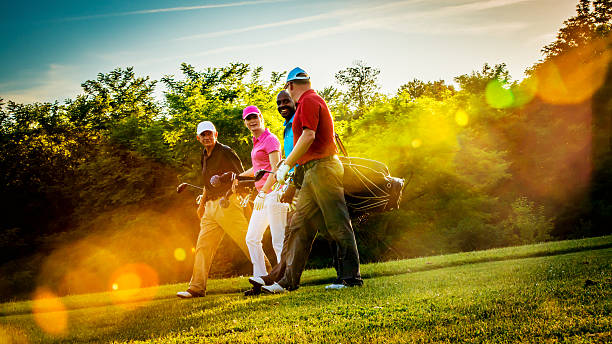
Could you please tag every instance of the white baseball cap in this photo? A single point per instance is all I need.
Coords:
(205, 125)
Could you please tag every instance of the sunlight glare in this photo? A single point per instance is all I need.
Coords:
(180, 254)
(49, 312)
(498, 94)
(134, 283)
(461, 117)
(525, 91)
(574, 77)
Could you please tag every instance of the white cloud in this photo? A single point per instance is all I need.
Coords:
(174, 9)
(393, 16)
(354, 12)
(57, 83)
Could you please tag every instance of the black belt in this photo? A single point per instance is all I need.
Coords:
(310, 164)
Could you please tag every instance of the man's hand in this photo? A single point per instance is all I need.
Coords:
(234, 184)
(281, 173)
(258, 203)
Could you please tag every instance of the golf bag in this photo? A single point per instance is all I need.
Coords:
(369, 187)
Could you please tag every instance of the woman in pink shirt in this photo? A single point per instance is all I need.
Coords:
(267, 210)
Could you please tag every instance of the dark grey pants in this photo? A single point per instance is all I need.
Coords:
(321, 205)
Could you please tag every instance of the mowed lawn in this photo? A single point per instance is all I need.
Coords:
(551, 292)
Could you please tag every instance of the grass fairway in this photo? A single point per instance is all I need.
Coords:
(552, 292)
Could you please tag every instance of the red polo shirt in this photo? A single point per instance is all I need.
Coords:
(312, 113)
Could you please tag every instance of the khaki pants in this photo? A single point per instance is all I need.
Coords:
(216, 222)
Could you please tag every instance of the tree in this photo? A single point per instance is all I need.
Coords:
(476, 82)
(219, 95)
(592, 21)
(434, 89)
(360, 80)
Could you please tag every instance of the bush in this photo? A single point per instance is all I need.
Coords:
(527, 223)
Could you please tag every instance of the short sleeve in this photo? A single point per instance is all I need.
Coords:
(310, 110)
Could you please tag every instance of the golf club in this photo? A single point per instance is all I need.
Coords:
(182, 187)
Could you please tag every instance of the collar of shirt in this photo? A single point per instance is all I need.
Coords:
(288, 122)
(303, 95)
(206, 156)
(261, 137)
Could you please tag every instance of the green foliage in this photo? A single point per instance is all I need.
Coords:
(436, 89)
(361, 82)
(527, 223)
(217, 95)
(592, 21)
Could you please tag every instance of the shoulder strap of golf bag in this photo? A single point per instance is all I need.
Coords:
(340, 144)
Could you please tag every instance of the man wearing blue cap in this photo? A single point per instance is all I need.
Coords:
(321, 200)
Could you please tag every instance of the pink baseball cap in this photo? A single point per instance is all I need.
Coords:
(251, 109)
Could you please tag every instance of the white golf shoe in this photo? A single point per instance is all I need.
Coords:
(335, 286)
(273, 289)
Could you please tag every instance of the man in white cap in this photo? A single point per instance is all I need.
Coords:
(321, 202)
(215, 221)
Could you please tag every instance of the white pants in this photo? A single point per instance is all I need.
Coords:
(274, 214)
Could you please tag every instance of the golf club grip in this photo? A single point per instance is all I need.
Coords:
(245, 178)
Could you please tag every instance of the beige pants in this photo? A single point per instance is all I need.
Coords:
(214, 224)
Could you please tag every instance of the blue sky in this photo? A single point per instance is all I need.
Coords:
(50, 47)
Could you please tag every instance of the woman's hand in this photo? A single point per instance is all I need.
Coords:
(258, 203)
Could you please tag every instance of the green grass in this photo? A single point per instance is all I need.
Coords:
(536, 293)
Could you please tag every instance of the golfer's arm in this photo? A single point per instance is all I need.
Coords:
(247, 173)
(274, 159)
(301, 147)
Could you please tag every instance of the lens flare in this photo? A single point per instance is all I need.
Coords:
(498, 94)
(133, 285)
(416, 143)
(128, 281)
(461, 117)
(573, 77)
(525, 91)
(49, 312)
(180, 254)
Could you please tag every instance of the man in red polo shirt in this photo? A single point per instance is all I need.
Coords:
(321, 200)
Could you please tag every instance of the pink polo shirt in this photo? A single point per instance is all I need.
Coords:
(265, 144)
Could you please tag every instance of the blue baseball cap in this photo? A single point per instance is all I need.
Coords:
(293, 75)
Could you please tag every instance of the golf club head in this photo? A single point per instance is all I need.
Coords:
(218, 180)
(181, 187)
